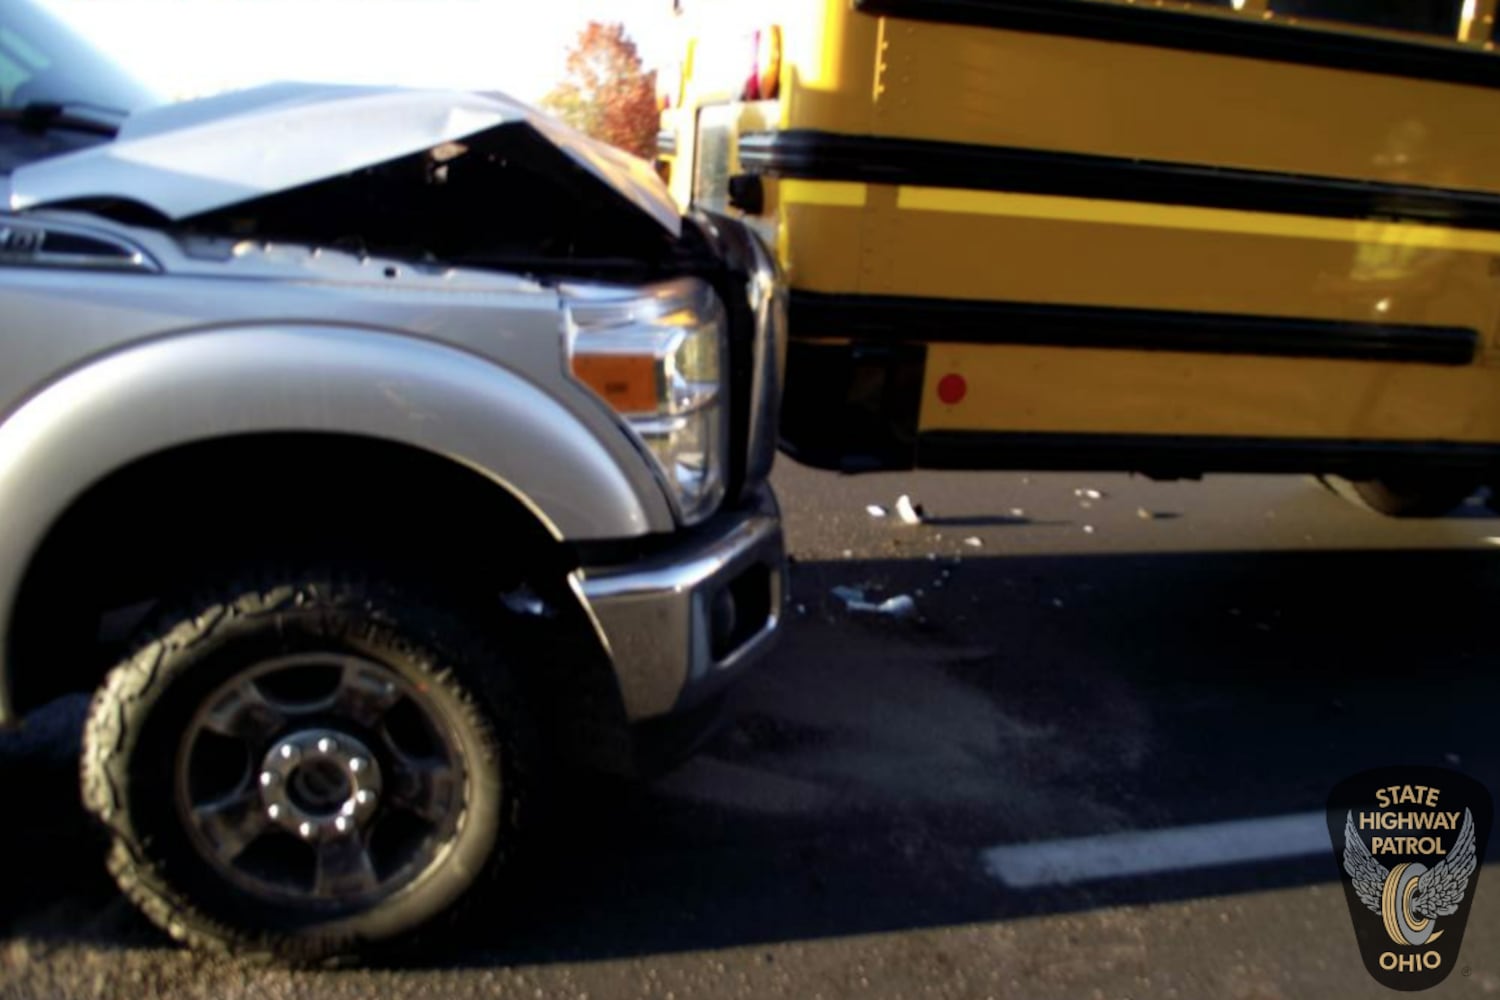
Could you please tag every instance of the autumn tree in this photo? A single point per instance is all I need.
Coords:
(606, 92)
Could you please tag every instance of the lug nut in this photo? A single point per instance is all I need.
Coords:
(273, 811)
(364, 796)
(327, 745)
(357, 764)
(306, 829)
(267, 779)
(348, 808)
(288, 752)
(341, 824)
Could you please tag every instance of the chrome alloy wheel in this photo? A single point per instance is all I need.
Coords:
(324, 780)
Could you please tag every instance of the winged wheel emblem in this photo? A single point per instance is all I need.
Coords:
(1411, 897)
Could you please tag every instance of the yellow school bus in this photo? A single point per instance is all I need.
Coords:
(1161, 236)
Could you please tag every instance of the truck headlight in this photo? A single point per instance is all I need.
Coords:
(656, 356)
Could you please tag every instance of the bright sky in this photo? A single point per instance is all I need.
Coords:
(192, 47)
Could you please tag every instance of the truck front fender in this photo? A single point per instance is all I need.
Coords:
(577, 472)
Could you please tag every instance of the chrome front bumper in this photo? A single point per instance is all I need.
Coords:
(681, 623)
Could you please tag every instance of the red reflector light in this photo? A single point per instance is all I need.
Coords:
(952, 389)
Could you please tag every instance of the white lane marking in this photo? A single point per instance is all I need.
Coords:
(1148, 852)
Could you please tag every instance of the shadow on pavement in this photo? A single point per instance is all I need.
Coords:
(1037, 698)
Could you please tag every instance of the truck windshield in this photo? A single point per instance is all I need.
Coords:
(44, 63)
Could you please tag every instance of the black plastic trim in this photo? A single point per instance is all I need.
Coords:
(814, 155)
(897, 319)
(1190, 456)
(1220, 34)
(852, 407)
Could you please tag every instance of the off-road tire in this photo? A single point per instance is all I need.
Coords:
(128, 745)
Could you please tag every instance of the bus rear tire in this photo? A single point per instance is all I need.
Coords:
(1401, 496)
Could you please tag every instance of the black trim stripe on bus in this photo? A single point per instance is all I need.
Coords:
(1219, 34)
(1168, 456)
(900, 319)
(813, 155)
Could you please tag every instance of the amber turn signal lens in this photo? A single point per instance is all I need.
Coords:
(627, 382)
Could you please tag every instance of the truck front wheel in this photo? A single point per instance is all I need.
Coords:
(305, 767)
(1402, 496)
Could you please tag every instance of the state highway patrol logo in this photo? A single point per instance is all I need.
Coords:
(1409, 842)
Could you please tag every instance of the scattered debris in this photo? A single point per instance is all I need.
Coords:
(1146, 515)
(909, 512)
(524, 601)
(900, 606)
(848, 553)
(974, 542)
(875, 510)
(1017, 512)
(1088, 494)
(1088, 529)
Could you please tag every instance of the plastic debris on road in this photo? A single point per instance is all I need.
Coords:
(900, 606)
(875, 510)
(524, 601)
(1088, 494)
(974, 542)
(1088, 529)
(909, 512)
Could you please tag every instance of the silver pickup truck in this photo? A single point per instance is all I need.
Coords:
(373, 456)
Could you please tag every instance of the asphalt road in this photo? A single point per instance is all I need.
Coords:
(932, 805)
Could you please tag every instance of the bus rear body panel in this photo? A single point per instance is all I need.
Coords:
(1088, 234)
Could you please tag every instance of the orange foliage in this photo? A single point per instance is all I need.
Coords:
(606, 93)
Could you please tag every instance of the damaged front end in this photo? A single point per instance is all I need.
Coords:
(455, 178)
(436, 178)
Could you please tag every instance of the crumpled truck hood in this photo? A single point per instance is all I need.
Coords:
(204, 156)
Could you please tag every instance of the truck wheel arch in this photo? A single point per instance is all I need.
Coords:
(325, 384)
